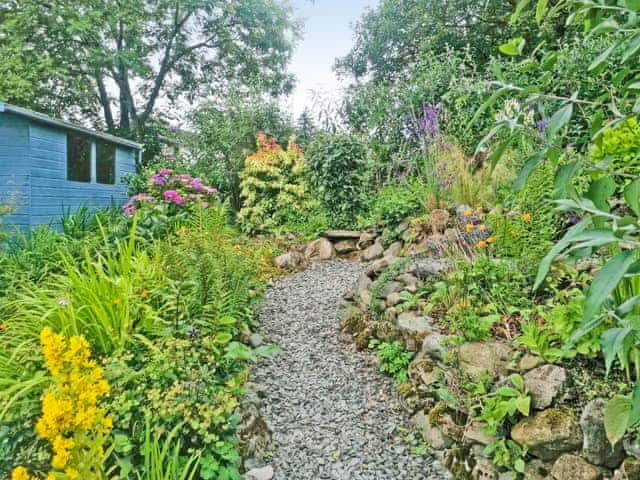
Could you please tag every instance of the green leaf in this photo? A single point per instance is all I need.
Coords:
(563, 243)
(523, 404)
(223, 337)
(519, 465)
(612, 343)
(602, 58)
(632, 196)
(507, 392)
(522, 4)
(541, 8)
(616, 418)
(517, 381)
(513, 47)
(631, 49)
(600, 191)
(606, 26)
(605, 282)
(562, 182)
(559, 120)
(526, 170)
(498, 152)
(634, 415)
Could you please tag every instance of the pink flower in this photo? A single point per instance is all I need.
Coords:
(196, 184)
(205, 204)
(130, 209)
(165, 171)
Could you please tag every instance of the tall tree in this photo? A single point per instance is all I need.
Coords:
(115, 61)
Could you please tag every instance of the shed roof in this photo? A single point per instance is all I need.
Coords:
(39, 117)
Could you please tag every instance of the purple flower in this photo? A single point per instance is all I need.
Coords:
(165, 172)
(542, 124)
(158, 180)
(174, 197)
(196, 184)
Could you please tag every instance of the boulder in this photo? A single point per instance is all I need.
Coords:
(320, 249)
(529, 362)
(538, 470)
(596, 448)
(373, 252)
(433, 346)
(545, 384)
(337, 235)
(435, 435)
(573, 467)
(394, 299)
(264, 473)
(549, 433)
(428, 268)
(365, 240)
(394, 250)
(290, 261)
(379, 266)
(475, 433)
(344, 247)
(389, 288)
(413, 323)
(492, 357)
(364, 282)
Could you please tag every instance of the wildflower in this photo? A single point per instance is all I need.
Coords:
(196, 184)
(165, 172)
(481, 244)
(144, 293)
(527, 217)
(469, 227)
(63, 302)
(467, 213)
(464, 303)
(490, 240)
(116, 301)
(482, 227)
(21, 473)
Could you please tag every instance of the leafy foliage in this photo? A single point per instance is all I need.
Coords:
(393, 359)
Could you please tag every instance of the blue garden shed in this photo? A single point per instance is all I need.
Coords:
(49, 167)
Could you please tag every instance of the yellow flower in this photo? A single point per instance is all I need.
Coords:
(469, 227)
(21, 473)
(482, 227)
(116, 301)
(467, 213)
(491, 240)
(481, 244)
(527, 217)
(72, 473)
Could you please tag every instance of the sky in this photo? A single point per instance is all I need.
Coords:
(327, 34)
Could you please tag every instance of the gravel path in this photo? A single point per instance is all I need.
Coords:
(330, 410)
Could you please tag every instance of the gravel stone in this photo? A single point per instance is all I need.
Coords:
(332, 414)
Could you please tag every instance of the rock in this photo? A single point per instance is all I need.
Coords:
(492, 357)
(407, 234)
(432, 346)
(423, 371)
(538, 470)
(413, 323)
(545, 384)
(338, 235)
(394, 299)
(344, 247)
(407, 280)
(573, 467)
(630, 469)
(484, 469)
(264, 473)
(529, 362)
(549, 433)
(290, 261)
(426, 269)
(379, 266)
(438, 219)
(320, 249)
(631, 447)
(596, 448)
(365, 240)
(389, 288)
(434, 435)
(374, 252)
(394, 250)
(390, 315)
(475, 433)
(256, 340)
(364, 282)
(365, 297)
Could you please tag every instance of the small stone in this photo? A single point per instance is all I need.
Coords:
(374, 252)
(407, 279)
(545, 384)
(365, 240)
(256, 340)
(529, 362)
(537, 470)
(377, 267)
(549, 433)
(390, 314)
(475, 433)
(424, 371)
(364, 282)
(320, 249)
(492, 357)
(630, 469)
(426, 269)
(438, 219)
(414, 323)
(433, 435)
(337, 235)
(573, 467)
(264, 473)
(596, 448)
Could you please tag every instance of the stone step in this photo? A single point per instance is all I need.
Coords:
(341, 234)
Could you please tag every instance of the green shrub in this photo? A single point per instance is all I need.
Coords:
(273, 187)
(395, 202)
(393, 359)
(340, 175)
(619, 149)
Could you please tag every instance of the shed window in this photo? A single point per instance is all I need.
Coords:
(78, 157)
(105, 162)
